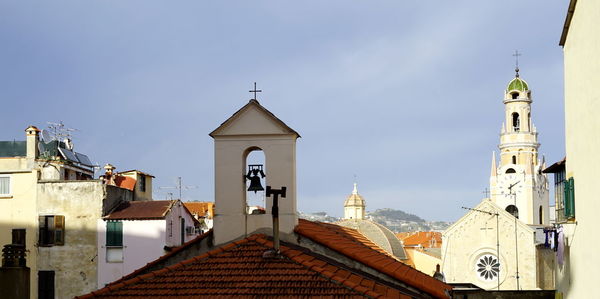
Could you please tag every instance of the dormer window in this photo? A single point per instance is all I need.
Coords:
(511, 170)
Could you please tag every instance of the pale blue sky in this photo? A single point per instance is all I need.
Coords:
(407, 95)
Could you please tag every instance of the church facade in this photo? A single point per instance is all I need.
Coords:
(499, 244)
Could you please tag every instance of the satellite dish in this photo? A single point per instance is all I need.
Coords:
(46, 136)
(41, 147)
(68, 144)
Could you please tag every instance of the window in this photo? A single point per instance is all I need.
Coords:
(510, 170)
(516, 122)
(569, 199)
(4, 185)
(514, 160)
(114, 233)
(513, 210)
(52, 230)
(114, 241)
(18, 236)
(559, 195)
(515, 95)
(142, 183)
(46, 284)
(541, 214)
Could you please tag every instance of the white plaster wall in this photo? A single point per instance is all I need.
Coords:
(576, 279)
(143, 242)
(173, 232)
(474, 235)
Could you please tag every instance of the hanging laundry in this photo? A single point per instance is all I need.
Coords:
(561, 246)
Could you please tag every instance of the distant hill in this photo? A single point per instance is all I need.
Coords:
(396, 215)
(400, 221)
(396, 220)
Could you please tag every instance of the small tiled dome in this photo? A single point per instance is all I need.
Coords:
(354, 199)
(517, 84)
(378, 234)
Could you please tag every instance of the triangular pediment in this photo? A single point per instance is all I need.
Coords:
(253, 119)
(483, 207)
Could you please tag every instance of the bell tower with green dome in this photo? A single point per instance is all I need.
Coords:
(517, 183)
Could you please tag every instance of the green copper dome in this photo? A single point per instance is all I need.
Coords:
(517, 84)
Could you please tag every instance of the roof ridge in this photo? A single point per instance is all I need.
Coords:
(392, 267)
(296, 256)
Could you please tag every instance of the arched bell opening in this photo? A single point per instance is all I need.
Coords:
(516, 122)
(513, 210)
(255, 178)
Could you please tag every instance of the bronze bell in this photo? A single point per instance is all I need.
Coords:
(253, 172)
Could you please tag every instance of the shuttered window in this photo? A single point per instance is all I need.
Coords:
(569, 199)
(114, 233)
(51, 230)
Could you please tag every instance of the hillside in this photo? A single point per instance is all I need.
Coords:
(396, 220)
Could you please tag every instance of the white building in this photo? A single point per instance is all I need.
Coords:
(136, 233)
(499, 243)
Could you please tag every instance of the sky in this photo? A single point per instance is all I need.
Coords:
(404, 95)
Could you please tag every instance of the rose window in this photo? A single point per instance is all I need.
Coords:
(488, 267)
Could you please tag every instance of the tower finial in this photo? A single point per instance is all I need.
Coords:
(516, 55)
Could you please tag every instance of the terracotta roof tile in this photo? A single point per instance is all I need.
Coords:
(351, 243)
(125, 182)
(140, 210)
(241, 270)
(425, 239)
(200, 209)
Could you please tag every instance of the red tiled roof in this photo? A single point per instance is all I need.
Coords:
(125, 182)
(139, 210)
(425, 239)
(353, 245)
(239, 269)
(200, 208)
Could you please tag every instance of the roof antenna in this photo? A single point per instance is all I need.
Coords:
(516, 55)
(275, 213)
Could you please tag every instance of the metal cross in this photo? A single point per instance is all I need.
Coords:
(255, 90)
(486, 192)
(516, 55)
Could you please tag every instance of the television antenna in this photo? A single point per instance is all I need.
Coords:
(179, 187)
(58, 131)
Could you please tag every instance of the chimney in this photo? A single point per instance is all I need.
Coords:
(109, 177)
(32, 142)
(14, 274)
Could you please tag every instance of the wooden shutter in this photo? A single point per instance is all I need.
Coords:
(18, 236)
(46, 284)
(43, 230)
(114, 233)
(59, 230)
(569, 198)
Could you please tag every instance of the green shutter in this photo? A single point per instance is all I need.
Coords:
(569, 198)
(114, 233)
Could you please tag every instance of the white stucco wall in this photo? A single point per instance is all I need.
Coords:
(575, 278)
(143, 241)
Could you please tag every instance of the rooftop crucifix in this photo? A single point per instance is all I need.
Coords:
(255, 91)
